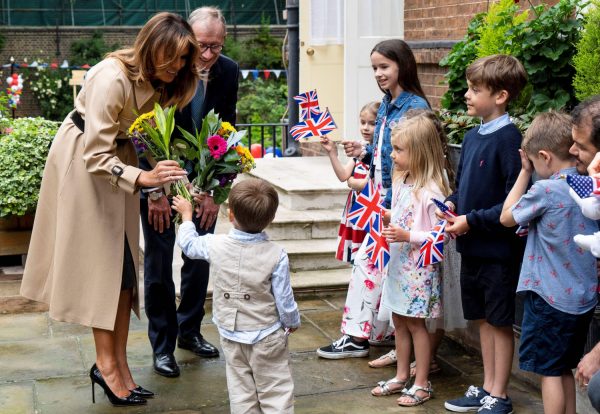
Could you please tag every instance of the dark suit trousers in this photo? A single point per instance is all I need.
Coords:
(165, 320)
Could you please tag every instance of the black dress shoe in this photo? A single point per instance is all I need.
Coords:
(165, 365)
(198, 345)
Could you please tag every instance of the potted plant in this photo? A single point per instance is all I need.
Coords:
(24, 145)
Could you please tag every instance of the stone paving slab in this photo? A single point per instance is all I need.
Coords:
(49, 373)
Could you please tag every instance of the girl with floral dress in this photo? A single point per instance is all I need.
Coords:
(413, 294)
(395, 70)
(355, 173)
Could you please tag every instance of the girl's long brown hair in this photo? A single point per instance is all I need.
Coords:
(165, 36)
(398, 51)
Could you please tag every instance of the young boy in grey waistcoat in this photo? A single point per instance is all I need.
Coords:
(253, 303)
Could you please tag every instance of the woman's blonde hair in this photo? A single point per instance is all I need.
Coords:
(426, 161)
(165, 36)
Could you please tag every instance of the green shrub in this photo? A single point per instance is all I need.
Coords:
(90, 50)
(262, 101)
(496, 33)
(24, 146)
(261, 51)
(457, 61)
(587, 59)
(545, 47)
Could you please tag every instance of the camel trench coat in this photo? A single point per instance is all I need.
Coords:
(75, 258)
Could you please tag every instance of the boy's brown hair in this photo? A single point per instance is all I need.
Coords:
(498, 72)
(549, 131)
(253, 203)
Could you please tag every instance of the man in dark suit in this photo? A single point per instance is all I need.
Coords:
(167, 323)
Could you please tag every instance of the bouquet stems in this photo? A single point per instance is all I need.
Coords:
(180, 188)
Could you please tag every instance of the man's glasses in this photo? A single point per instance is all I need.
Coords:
(213, 48)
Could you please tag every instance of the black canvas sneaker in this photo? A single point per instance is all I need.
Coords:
(345, 347)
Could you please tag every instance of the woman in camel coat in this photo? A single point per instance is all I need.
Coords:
(82, 258)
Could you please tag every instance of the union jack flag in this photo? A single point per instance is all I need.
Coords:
(585, 186)
(309, 104)
(432, 249)
(318, 125)
(367, 207)
(377, 247)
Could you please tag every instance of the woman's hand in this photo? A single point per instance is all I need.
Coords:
(353, 148)
(165, 172)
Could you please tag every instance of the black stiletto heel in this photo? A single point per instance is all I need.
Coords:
(131, 399)
(142, 392)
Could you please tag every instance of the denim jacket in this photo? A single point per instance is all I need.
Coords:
(392, 112)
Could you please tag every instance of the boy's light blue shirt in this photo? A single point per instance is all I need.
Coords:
(554, 266)
(494, 125)
(196, 247)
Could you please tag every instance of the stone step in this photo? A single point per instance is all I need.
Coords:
(295, 225)
(303, 183)
(313, 254)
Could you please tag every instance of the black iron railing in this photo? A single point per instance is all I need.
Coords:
(271, 137)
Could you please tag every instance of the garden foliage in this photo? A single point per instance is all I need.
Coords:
(544, 44)
(587, 60)
(24, 145)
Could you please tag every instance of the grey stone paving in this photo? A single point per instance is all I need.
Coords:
(44, 366)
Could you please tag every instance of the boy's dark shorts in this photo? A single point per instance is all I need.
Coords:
(552, 341)
(488, 289)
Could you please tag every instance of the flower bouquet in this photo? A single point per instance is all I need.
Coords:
(151, 135)
(220, 156)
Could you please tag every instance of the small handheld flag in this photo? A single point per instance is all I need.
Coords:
(377, 247)
(308, 103)
(585, 186)
(319, 125)
(432, 249)
(366, 207)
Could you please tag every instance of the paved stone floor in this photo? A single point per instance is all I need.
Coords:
(44, 366)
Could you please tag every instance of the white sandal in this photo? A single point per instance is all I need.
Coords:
(384, 360)
(384, 386)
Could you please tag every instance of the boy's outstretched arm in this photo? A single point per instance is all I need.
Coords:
(192, 245)
(519, 188)
(283, 294)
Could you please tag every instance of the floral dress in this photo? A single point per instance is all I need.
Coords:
(351, 237)
(409, 291)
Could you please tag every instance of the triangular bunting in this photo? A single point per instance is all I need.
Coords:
(267, 73)
(255, 73)
(64, 65)
(276, 72)
(245, 73)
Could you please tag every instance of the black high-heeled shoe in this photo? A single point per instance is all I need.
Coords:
(142, 392)
(96, 378)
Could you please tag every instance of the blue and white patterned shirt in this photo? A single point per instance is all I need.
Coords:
(196, 247)
(554, 266)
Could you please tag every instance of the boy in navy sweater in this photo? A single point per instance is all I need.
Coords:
(490, 253)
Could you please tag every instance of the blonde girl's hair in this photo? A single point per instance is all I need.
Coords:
(165, 36)
(420, 137)
(439, 126)
(371, 107)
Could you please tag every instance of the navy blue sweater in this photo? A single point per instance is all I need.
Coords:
(489, 166)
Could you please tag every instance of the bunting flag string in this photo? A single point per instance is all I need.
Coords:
(256, 73)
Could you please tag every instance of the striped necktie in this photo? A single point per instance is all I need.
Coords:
(196, 106)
